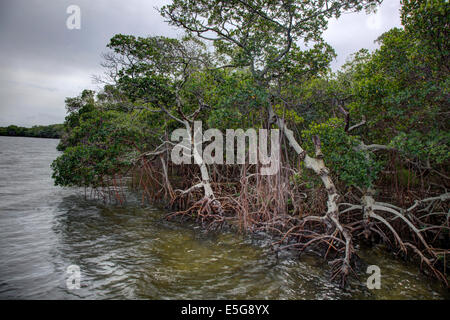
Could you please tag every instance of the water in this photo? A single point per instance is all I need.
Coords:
(133, 253)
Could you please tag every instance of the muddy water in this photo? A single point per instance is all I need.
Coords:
(133, 253)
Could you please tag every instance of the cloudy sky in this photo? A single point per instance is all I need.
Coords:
(42, 61)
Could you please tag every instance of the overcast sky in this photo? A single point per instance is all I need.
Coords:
(42, 61)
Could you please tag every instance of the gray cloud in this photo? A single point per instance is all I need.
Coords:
(354, 31)
(42, 62)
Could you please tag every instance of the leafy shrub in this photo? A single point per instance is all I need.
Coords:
(351, 165)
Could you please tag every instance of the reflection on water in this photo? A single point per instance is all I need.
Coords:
(133, 253)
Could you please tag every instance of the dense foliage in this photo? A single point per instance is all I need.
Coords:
(50, 131)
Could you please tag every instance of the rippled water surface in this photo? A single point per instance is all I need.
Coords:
(133, 253)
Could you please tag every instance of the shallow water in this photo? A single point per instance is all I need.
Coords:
(133, 253)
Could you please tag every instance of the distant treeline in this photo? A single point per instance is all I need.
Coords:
(51, 131)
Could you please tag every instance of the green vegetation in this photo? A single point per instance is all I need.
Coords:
(365, 150)
(51, 131)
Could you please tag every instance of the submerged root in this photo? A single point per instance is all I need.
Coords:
(206, 211)
(249, 202)
(373, 210)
